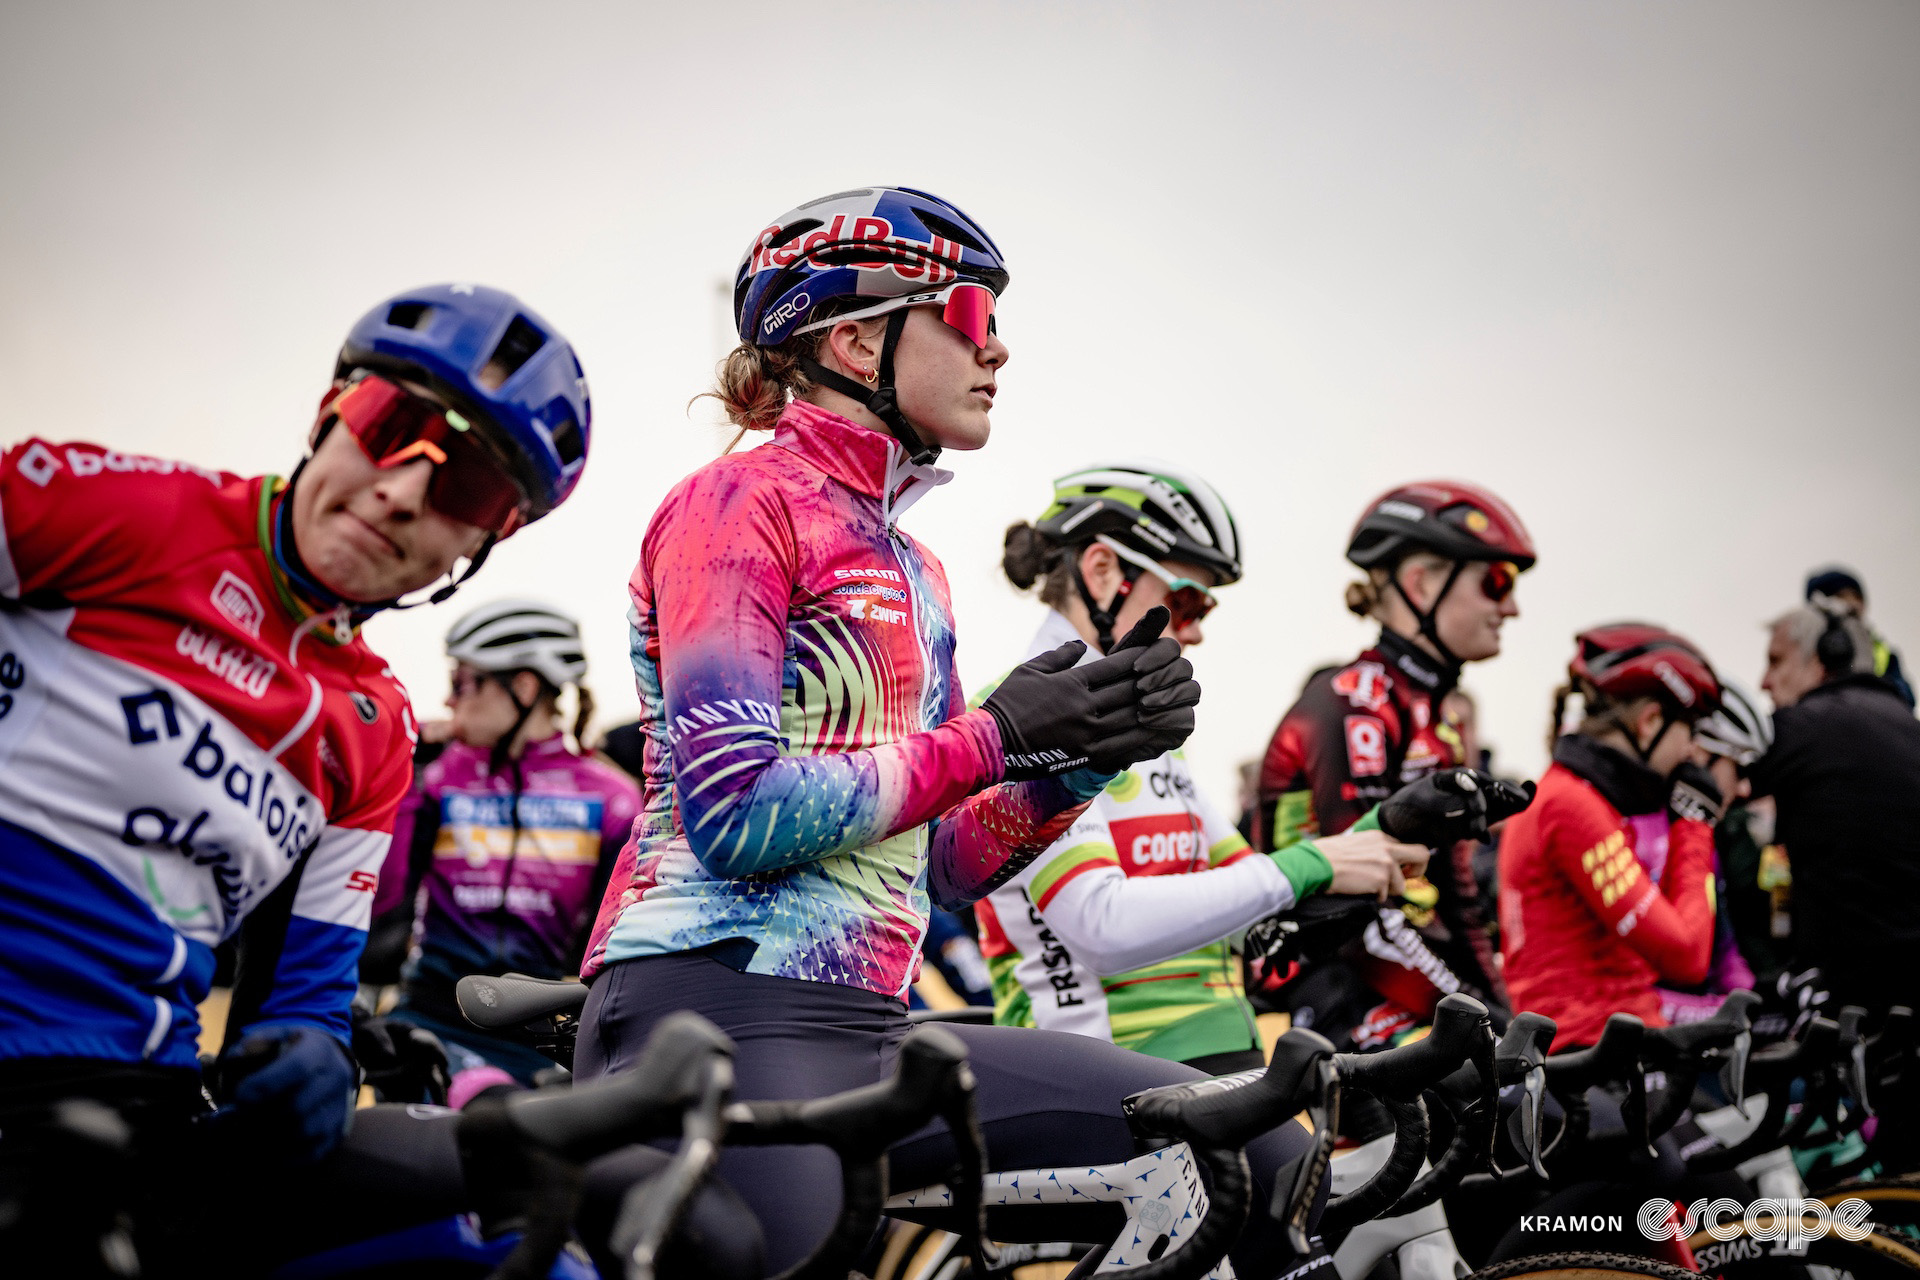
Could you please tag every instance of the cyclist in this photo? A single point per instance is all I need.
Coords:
(193, 729)
(1120, 929)
(813, 776)
(1732, 739)
(1606, 882)
(1441, 560)
(509, 837)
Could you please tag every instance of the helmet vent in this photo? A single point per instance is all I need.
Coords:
(517, 346)
(793, 231)
(948, 229)
(408, 315)
(566, 442)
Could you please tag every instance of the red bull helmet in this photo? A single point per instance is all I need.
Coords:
(889, 248)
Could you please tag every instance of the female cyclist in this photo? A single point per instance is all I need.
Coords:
(1120, 929)
(1441, 559)
(511, 833)
(813, 774)
(1606, 882)
(198, 743)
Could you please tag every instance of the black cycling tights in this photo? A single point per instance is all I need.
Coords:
(1046, 1099)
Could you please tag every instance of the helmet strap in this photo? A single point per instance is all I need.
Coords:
(502, 750)
(879, 399)
(1632, 735)
(1426, 618)
(1104, 616)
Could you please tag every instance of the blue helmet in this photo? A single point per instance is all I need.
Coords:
(873, 242)
(500, 364)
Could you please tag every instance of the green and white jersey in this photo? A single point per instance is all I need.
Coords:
(1121, 929)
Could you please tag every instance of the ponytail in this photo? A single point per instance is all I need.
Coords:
(754, 384)
(583, 715)
(1363, 597)
(1028, 556)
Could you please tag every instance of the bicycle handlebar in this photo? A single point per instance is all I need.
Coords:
(1461, 1042)
(931, 1079)
(1216, 1118)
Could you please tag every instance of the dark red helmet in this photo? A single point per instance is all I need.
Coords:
(1626, 660)
(1448, 517)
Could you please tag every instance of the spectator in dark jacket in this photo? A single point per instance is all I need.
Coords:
(1845, 587)
(1844, 769)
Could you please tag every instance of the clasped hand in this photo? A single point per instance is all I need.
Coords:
(1133, 704)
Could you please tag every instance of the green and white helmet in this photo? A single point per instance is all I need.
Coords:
(1154, 507)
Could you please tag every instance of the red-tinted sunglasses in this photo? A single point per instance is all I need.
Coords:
(969, 308)
(1499, 580)
(966, 307)
(1187, 600)
(393, 427)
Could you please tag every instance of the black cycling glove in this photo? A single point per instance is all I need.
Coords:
(1310, 930)
(1133, 704)
(1450, 805)
(1695, 795)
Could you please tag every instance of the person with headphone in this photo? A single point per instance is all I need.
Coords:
(503, 848)
(1843, 586)
(1844, 772)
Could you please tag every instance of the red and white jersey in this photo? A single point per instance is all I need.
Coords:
(172, 741)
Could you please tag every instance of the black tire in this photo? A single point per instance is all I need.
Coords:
(1583, 1266)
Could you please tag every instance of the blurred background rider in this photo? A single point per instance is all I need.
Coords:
(1606, 882)
(1441, 560)
(1844, 587)
(506, 842)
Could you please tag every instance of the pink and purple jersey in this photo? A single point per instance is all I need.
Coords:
(507, 881)
(812, 773)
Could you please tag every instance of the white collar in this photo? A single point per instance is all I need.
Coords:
(1055, 631)
(907, 482)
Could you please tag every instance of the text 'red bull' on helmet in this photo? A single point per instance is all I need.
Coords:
(871, 251)
(1450, 518)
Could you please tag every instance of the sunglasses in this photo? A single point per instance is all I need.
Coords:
(394, 427)
(1187, 600)
(1497, 583)
(966, 307)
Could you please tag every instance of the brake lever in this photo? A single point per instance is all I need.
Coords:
(1533, 1117)
(1294, 1205)
(1852, 1024)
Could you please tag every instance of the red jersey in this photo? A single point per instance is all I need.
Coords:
(1587, 932)
(173, 741)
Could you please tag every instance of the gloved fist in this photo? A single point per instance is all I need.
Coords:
(1131, 705)
(294, 1086)
(1450, 805)
(1695, 795)
(1310, 930)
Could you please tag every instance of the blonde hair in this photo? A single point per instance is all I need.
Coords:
(754, 384)
(1368, 597)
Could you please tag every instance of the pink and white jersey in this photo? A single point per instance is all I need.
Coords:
(173, 741)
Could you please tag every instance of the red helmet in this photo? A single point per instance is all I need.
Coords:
(1450, 518)
(1626, 660)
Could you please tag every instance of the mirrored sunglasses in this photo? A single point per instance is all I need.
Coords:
(1497, 583)
(1187, 600)
(394, 427)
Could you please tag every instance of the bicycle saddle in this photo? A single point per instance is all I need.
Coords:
(514, 999)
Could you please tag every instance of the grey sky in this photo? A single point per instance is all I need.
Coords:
(1652, 271)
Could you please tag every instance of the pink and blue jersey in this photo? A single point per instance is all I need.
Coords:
(812, 775)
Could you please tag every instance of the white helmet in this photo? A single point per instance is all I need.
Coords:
(520, 635)
(1739, 730)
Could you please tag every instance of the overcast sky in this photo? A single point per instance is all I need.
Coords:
(1651, 271)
